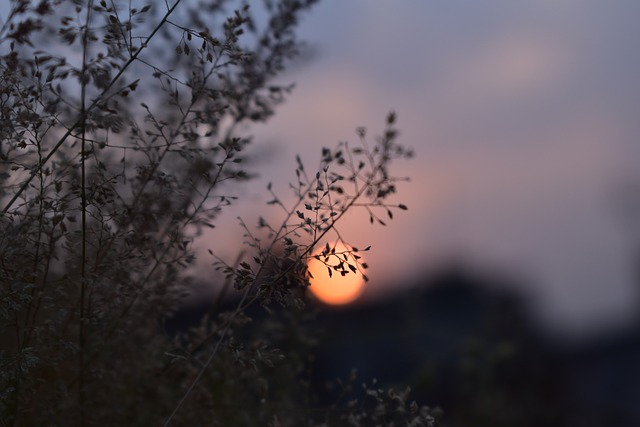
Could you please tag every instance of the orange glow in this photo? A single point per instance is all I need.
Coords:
(337, 289)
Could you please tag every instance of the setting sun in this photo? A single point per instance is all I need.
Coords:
(335, 289)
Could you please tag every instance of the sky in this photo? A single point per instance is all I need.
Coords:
(524, 120)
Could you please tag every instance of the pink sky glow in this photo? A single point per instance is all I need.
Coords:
(524, 122)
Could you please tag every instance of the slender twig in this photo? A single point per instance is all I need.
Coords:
(241, 306)
(83, 209)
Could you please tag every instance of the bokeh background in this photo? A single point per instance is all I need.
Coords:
(524, 120)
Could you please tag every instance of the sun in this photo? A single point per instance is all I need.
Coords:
(335, 289)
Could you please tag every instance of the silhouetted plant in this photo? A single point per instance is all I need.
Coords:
(119, 146)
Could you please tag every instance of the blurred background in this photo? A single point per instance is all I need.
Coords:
(514, 273)
(524, 120)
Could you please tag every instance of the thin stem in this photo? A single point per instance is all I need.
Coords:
(83, 208)
(242, 305)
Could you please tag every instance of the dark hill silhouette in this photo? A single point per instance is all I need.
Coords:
(459, 341)
(462, 342)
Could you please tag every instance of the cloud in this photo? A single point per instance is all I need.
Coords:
(517, 66)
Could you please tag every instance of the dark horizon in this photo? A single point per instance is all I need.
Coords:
(455, 326)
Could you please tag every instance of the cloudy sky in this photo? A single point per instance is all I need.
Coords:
(524, 119)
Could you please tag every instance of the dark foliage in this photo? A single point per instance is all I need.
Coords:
(119, 146)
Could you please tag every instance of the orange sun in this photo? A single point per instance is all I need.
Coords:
(335, 289)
